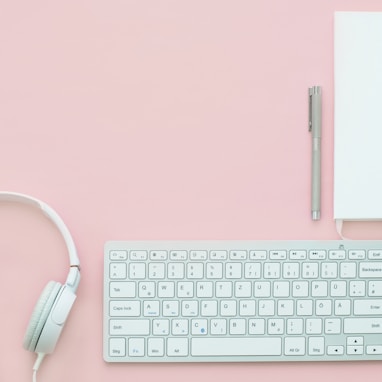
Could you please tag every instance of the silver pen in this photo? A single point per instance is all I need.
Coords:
(315, 128)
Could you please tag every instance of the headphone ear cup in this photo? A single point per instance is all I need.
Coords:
(40, 314)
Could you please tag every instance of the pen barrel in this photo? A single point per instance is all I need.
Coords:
(315, 110)
(316, 178)
(316, 106)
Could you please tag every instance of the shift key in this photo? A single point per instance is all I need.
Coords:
(129, 327)
(362, 325)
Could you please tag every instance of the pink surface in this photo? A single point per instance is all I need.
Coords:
(157, 120)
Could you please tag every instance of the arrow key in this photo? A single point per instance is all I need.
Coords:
(354, 350)
(354, 341)
(374, 349)
(335, 350)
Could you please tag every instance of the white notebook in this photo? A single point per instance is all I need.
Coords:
(358, 116)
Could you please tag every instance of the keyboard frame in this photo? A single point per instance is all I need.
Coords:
(236, 245)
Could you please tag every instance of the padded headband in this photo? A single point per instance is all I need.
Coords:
(51, 214)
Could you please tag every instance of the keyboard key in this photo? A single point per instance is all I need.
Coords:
(375, 254)
(266, 308)
(316, 346)
(313, 326)
(278, 255)
(224, 289)
(272, 270)
(374, 349)
(243, 289)
(228, 308)
(161, 327)
(338, 288)
(310, 270)
(157, 270)
(262, 289)
(199, 327)
(151, 308)
(337, 254)
(195, 270)
(177, 347)
(179, 327)
(190, 308)
(166, 289)
(204, 289)
(300, 289)
(214, 270)
(335, 350)
(348, 270)
(354, 350)
(158, 255)
(118, 255)
(258, 255)
(295, 326)
(294, 346)
(119, 289)
(298, 255)
(304, 307)
(375, 288)
(362, 325)
(354, 341)
(170, 308)
(237, 326)
(319, 289)
(138, 255)
(238, 255)
(285, 307)
(367, 307)
(219, 326)
(291, 270)
(117, 347)
(129, 327)
(118, 270)
(332, 326)
(233, 270)
(136, 347)
(175, 271)
(198, 255)
(357, 255)
(370, 270)
(125, 308)
(155, 347)
(178, 255)
(137, 271)
(317, 255)
(218, 255)
(256, 326)
(247, 308)
(342, 307)
(252, 270)
(357, 288)
(235, 346)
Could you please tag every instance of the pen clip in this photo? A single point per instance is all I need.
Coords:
(310, 108)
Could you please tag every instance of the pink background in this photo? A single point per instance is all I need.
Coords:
(157, 120)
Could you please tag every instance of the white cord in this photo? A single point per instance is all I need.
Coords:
(40, 357)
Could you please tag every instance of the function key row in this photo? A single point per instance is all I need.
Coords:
(301, 254)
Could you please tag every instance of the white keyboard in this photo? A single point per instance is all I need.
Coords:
(231, 301)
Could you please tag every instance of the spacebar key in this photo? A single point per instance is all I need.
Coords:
(235, 346)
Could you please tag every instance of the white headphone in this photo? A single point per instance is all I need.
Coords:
(56, 300)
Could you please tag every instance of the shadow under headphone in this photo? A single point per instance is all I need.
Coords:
(56, 300)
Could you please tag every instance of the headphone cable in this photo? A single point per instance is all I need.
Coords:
(40, 357)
